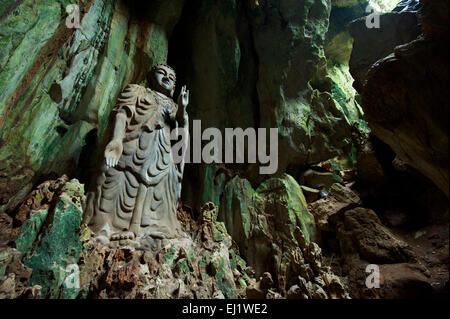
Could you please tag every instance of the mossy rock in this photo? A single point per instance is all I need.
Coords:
(50, 241)
(256, 219)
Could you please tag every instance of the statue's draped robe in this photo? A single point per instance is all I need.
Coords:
(144, 187)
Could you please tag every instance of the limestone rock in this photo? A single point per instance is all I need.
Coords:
(7, 287)
(5, 229)
(254, 291)
(273, 295)
(319, 180)
(248, 66)
(371, 45)
(295, 292)
(275, 231)
(397, 281)
(283, 89)
(49, 238)
(63, 259)
(15, 277)
(334, 286)
(266, 280)
(123, 275)
(360, 232)
(250, 216)
(256, 68)
(36, 205)
(59, 84)
(311, 194)
(369, 169)
(39, 53)
(391, 85)
(200, 266)
(339, 199)
(261, 289)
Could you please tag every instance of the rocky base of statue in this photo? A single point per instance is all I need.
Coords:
(200, 264)
(150, 242)
(53, 255)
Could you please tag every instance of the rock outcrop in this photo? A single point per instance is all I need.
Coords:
(55, 256)
(263, 221)
(275, 233)
(361, 244)
(411, 117)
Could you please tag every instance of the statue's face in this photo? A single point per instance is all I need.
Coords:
(165, 78)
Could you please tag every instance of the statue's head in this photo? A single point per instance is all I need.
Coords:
(162, 79)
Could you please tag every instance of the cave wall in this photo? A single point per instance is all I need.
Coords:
(246, 66)
(390, 65)
(58, 85)
(263, 66)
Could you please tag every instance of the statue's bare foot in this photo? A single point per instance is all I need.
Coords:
(123, 235)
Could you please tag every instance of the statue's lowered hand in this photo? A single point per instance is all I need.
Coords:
(112, 152)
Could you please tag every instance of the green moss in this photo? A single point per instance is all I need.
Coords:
(222, 281)
(50, 241)
(289, 205)
(242, 283)
(3, 262)
(59, 247)
(159, 45)
(43, 17)
(169, 254)
(183, 267)
(344, 93)
(233, 262)
(272, 212)
(30, 229)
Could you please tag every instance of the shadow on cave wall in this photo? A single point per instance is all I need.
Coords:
(192, 35)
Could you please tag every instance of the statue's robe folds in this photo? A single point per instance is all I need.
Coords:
(144, 187)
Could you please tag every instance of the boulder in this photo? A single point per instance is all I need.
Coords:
(260, 220)
(50, 238)
(371, 45)
(275, 231)
(362, 236)
(339, 199)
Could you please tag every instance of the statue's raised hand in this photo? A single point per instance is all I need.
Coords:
(112, 152)
(183, 98)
